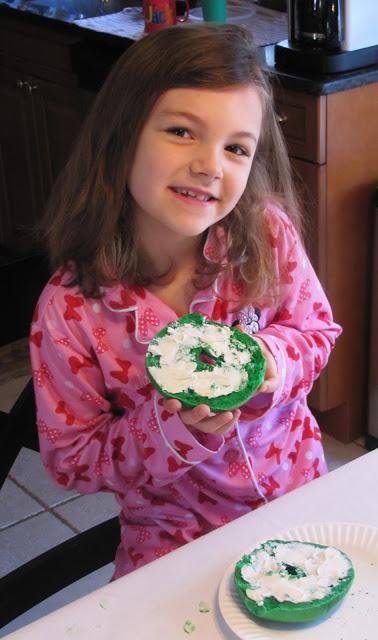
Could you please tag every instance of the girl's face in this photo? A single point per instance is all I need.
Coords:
(193, 158)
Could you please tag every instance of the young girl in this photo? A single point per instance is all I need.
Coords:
(173, 202)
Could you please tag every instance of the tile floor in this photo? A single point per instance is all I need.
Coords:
(35, 514)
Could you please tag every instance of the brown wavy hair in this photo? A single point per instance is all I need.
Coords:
(89, 217)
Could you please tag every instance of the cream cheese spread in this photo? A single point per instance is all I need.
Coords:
(178, 367)
(294, 572)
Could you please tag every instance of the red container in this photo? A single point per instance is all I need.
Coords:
(159, 14)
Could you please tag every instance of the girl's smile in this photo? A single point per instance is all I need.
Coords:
(193, 196)
(193, 160)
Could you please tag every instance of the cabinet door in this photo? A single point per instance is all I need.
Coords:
(19, 199)
(57, 116)
(310, 180)
(40, 121)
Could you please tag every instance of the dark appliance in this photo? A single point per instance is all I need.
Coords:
(329, 36)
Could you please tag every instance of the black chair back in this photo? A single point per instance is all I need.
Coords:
(65, 563)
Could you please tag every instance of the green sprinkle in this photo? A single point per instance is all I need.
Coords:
(203, 607)
(103, 605)
(188, 626)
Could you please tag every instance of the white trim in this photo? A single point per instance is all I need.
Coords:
(253, 477)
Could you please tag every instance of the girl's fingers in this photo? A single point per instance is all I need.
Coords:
(226, 427)
(194, 416)
(188, 416)
(201, 417)
(171, 405)
(268, 386)
(220, 423)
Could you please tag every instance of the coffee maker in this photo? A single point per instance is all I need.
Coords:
(329, 36)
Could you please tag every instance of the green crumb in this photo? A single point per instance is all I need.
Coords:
(203, 607)
(103, 605)
(188, 626)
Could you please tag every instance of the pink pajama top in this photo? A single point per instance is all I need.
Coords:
(103, 427)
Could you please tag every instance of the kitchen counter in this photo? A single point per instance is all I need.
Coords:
(319, 84)
(94, 52)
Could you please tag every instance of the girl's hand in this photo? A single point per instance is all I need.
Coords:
(199, 417)
(271, 381)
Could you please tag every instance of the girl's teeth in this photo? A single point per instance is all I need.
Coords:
(197, 196)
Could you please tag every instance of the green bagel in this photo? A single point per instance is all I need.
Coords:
(207, 358)
(289, 610)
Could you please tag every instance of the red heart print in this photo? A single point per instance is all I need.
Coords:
(274, 451)
(173, 465)
(182, 448)
(147, 452)
(130, 324)
(62, 478)
(125, 301)
(134, 556)
(220, 310)
(283, 315)
(179, 536)
(139, 291)
(72, 302)
(79, 473)
(165, 415)
(293, 355)
(203, 497)
(307, 431)
(318, 341)
(61, 408)
(293, 455)
(295, 424)
(36, 338)
(270, 485)
(76, 364)
(55, 281)
(146, 391)
(123, 374)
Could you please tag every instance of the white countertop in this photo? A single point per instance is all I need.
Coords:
(153, 602)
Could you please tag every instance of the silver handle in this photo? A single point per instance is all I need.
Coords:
(281, 119)
(25, 84)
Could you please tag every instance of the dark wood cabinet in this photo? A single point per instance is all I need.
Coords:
(41, 114)
(332, 141)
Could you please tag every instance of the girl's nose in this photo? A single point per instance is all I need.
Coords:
(207, 163)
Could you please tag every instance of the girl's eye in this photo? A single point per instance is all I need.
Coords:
(238, 150)
(180, 132)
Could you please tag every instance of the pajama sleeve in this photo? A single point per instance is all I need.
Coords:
(301, 332)
(92, 438)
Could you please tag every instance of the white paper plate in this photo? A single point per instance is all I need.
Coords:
(355, 618)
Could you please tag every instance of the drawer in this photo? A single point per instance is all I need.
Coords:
(303, 122)
(40, 51)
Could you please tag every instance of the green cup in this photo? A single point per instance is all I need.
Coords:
(214, 10)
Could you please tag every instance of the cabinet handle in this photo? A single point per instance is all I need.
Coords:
(21, 84)
(281, 119)
(31, 87)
